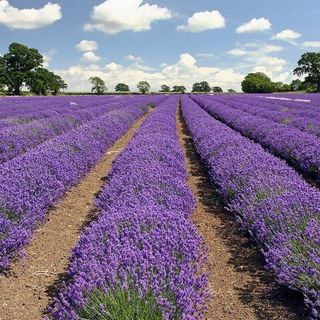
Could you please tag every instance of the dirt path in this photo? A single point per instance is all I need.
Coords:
(241, 289)
(32, 282)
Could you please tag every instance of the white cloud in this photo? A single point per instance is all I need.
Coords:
(255, 57)
(202, 21)
(90, 57)
(87, 45)
(257, 49)
(46, 60)
(287, 35)
(311, 44)
(237, 52)
(28, 19)
(254, 25)
(184, 72)
(113, 16)
(205, 55)
(133, 58)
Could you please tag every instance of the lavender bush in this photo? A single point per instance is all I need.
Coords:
(32, 182)
(272, 202)
(298, 148)
(142, 257)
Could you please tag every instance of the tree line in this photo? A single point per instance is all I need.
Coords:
(23, 67)
(99, 87)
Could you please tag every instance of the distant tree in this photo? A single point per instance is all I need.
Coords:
(181, 89)
(122, 87)
(232, 91)
(56, 84)
(297, 85)
(42, 81)
(201, 87)
(217, 89)
(281, 87)
(257, 83)
(165, 88)
(17, 65)
(309, 64)
(98, 85)
(143, 86)
(2, 74)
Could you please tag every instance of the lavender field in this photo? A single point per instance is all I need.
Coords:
(138, 253)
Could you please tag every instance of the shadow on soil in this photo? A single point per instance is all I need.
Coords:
(269, 300)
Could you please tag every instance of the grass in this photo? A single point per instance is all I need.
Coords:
(120, 304)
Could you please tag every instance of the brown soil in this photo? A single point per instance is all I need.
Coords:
(33, 281)
(240, 286)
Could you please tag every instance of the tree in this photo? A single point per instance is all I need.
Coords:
(98, 85)
(309, 64)
(181, 89)
(143, 87)
(165, 88)
(297, 85)
(18, 64)
(2, 74)
(232, 91)
(122, 87)
(41, 81)
(281, 87)
(257, 83)
(201, 87)
(56, 84)
(217, 89)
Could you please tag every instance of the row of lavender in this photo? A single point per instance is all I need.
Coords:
(300, 149)
(11, 107)
(142, 252)
(271, 201)
(32, 182)
(302, 118)
(20, 115)
(16, 140)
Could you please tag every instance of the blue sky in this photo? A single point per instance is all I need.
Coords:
(164, 42)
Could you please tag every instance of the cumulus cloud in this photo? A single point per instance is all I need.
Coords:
(184, 72)
(287, 35)
(202, 21)
(90, 57)
(255, 57)
(254, 25)
(87, 45)
(311, 44)
(114, 16)
(28, 19)
(256, 49)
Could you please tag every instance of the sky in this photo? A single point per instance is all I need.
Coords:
(164, 42)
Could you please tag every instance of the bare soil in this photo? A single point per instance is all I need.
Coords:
(241, 289)
(32, 282)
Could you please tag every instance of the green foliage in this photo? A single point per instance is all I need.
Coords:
(120, 304)
(309, 64)
(165, 88)
(17, 65)
(98, 85)
(281, 87)
(41, 81)
(23, 66)
(201, 87)
(298, 85)
(181, 89)
(231, 91)
(217, 89)
(143, 87)
(122, 87)
(257, 83)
